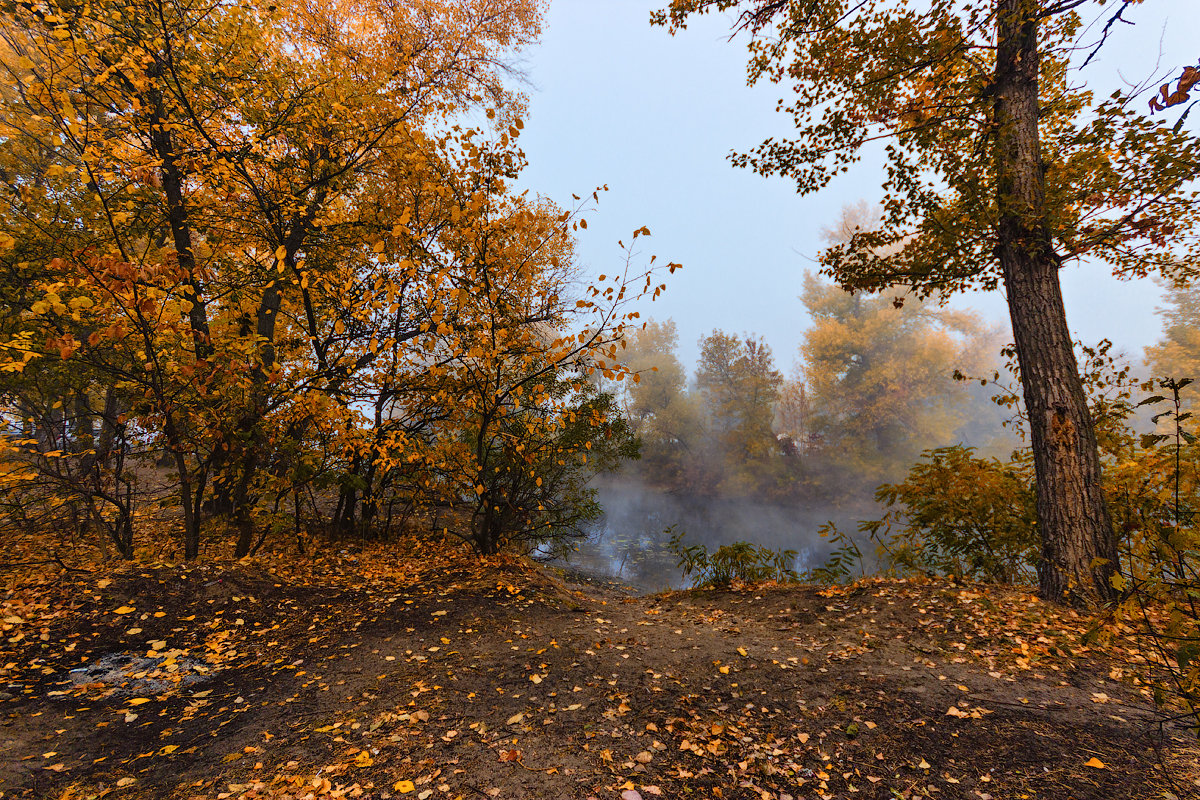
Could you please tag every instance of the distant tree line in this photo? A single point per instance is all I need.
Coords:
(873, 385)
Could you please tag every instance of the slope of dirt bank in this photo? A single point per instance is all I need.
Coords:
(377, 675)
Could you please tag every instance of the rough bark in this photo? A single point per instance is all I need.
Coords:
(1079, 549)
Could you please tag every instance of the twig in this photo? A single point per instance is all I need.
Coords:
(55, 560)
(547, 770)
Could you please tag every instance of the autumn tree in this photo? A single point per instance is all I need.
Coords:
(650, 353)
(262, 239)
(1177, 352)
(880, 379)
(738, 385)
(1001, 169)
(793, 415)
(208, 169)
(665, 416)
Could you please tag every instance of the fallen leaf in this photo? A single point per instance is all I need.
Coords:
(124, 610)
(1095, 763)
(403, 787)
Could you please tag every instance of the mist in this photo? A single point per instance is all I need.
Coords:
(737, 452)
(629, 543)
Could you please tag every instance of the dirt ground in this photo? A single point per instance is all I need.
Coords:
(376, 675)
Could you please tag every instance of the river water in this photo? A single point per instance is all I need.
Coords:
(630, 542)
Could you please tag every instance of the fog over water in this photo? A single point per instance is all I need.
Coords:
(630, 542)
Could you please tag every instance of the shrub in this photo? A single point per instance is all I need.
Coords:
(956, 514)
(1154, 494)
(740, 562)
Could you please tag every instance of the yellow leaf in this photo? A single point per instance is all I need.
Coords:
(280, 253)
(742, 652)
(1095, 763)
(137, 701)
(724, 670)
(404, 787)
(124, 610)
(168, 749)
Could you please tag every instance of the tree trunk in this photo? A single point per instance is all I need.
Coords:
(178, 216)
(191, 521)
(1079, 551)
(244, 523)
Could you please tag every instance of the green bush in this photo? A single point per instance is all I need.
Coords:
(740, 562)
(842, 561)
(956, 514)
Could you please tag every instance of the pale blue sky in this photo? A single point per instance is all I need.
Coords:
(614, 101)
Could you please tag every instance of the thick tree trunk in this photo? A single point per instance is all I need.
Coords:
(1079, 551)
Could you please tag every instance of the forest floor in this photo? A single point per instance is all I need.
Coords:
(382, 674)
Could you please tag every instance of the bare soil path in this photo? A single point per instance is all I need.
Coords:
(375, 676)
